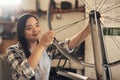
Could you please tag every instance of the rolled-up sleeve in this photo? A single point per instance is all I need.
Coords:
(19, 63)
(55, 53)
(27, 70)
(65, 45)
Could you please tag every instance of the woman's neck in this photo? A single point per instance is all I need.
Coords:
(32, 46)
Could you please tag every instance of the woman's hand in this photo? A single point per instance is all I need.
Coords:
(47, 38)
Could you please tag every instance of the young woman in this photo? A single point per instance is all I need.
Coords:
(29, 59)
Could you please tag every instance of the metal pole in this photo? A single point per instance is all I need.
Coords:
(102, 73)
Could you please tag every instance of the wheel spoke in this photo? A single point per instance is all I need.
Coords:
(112, 19)
(101, 5)
(87, 5)
(114, 6)
(59, 29)
(116, 42)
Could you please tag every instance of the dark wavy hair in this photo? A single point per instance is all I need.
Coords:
(21, 24)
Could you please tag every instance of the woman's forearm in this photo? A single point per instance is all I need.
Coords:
(79, 38)
(35, 56)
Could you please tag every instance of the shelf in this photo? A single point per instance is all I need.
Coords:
(80, 9)
(28, 11)
(68, 10)
(6, 22)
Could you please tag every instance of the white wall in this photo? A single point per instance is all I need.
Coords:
(28, 4)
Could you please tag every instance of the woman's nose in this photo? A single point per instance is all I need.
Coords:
(35, 28)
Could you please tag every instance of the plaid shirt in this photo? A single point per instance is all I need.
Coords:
(19, 64)
(20, 68)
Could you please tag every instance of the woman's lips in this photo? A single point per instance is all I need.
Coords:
(35, 34)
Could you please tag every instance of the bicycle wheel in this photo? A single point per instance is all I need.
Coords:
(104, 7)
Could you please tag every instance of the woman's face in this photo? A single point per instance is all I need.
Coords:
(32, 30)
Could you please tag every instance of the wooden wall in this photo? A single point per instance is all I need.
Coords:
(5, 44)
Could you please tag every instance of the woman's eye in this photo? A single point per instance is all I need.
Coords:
(37, 25)
(28, 28)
